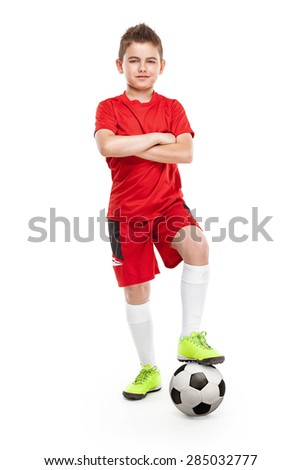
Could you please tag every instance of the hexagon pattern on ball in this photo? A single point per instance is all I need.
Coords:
(197, 390)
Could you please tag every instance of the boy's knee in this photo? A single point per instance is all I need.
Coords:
(192, 245)
(199, 251)
(204, 245)
(137, 294)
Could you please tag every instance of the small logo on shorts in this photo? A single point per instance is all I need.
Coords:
(116, 262)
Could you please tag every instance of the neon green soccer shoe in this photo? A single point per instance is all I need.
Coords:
(195, 348)
(148, 380)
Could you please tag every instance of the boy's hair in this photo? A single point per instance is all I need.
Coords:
(139, 33)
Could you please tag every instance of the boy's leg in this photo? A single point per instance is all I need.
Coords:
(140, 323)
(135, 265)
(192, 246)
(139, 319)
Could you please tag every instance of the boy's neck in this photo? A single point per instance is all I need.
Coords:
(144, 96)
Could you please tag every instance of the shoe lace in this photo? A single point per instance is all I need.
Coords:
(200, 338)
(144, 374)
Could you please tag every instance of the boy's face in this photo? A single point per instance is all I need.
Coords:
(141, 65)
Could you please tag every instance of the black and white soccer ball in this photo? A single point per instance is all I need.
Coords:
(196, 389)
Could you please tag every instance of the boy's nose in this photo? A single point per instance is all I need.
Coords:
(142, 67)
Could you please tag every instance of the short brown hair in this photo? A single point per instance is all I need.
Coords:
(139, 33)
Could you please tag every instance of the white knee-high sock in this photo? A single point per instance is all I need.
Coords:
(141, 326)
(194, 284)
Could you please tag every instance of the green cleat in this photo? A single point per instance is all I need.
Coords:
(195, 348)
(148, 380)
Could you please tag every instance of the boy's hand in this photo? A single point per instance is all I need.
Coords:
(166, 138)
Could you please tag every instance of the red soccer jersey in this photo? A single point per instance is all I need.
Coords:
(142, 188)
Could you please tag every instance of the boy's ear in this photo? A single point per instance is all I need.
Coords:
(119, 65)
(162, 67)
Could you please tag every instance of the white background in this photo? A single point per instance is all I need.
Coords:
(66, 352)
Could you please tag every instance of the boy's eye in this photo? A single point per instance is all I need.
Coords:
(135, 61)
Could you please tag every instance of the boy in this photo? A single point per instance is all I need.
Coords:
(143, 136)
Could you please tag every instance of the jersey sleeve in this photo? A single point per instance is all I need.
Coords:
(105, 117)
(179, 120)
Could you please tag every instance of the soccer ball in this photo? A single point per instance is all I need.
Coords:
(196, 389)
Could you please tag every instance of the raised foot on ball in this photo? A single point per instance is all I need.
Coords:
(195, 348)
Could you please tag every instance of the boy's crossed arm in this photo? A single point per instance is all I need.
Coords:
(159, 147)
(180, 151)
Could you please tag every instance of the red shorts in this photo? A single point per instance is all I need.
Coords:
(133, 242)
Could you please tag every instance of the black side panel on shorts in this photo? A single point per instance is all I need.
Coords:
(187, 208)
(114, 233)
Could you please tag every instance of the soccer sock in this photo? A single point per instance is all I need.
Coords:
(141, 327)
(194, 284)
